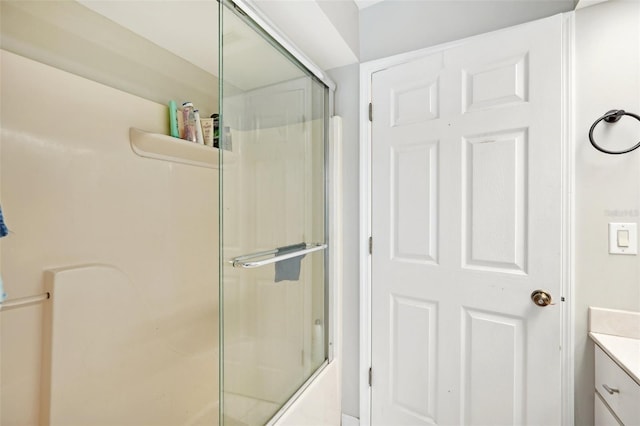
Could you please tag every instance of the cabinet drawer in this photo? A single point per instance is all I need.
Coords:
(602, 416)
(625, 403)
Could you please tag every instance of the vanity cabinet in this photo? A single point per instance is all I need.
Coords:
(617, 397)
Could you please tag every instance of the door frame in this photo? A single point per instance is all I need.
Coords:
(367, 69)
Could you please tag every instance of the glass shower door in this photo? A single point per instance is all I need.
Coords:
(273, 233)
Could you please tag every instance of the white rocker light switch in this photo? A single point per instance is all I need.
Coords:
(623, 238)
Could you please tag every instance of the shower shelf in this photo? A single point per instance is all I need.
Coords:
(167, 148)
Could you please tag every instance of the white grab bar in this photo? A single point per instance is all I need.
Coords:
(22, 301)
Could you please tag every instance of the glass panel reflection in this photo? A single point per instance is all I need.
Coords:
(273, 203)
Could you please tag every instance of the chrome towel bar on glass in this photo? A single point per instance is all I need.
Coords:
(245, 261)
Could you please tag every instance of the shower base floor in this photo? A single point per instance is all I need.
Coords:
(241, 410)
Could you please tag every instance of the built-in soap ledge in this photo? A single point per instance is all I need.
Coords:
(168, 148)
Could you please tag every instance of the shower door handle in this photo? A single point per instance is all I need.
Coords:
(244, 261)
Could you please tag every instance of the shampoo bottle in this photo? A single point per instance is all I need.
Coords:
(189, 122)
(173, 119)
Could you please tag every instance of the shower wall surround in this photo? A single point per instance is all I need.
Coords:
(77, 194)
(126, 240)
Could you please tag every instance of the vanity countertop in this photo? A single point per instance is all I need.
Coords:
(618, 334)
(625, 351)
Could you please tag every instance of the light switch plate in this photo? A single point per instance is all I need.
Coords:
(632, 229)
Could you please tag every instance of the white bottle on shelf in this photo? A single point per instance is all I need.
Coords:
(199, 135)
(317, 343)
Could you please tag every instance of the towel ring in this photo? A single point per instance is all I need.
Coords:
(612, 116)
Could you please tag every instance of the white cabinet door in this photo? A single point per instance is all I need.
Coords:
(466, 222)
(601, 414)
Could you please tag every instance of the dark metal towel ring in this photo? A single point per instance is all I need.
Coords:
(612, 117)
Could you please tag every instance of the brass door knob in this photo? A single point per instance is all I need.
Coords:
(541, 298)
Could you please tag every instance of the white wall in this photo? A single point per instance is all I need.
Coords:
(393, 27)
(73, 192)
(607, 76)
(344, 15)
(323, 32)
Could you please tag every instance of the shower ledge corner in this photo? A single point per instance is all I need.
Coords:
(167, 148)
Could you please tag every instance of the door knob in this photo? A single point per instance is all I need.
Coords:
(541, 298)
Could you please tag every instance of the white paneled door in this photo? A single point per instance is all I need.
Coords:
(466, 224)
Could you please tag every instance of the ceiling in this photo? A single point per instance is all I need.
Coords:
(365, 3)
(316, 27)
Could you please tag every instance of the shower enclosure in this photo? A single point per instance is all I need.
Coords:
(273, 252)
(153, 280)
